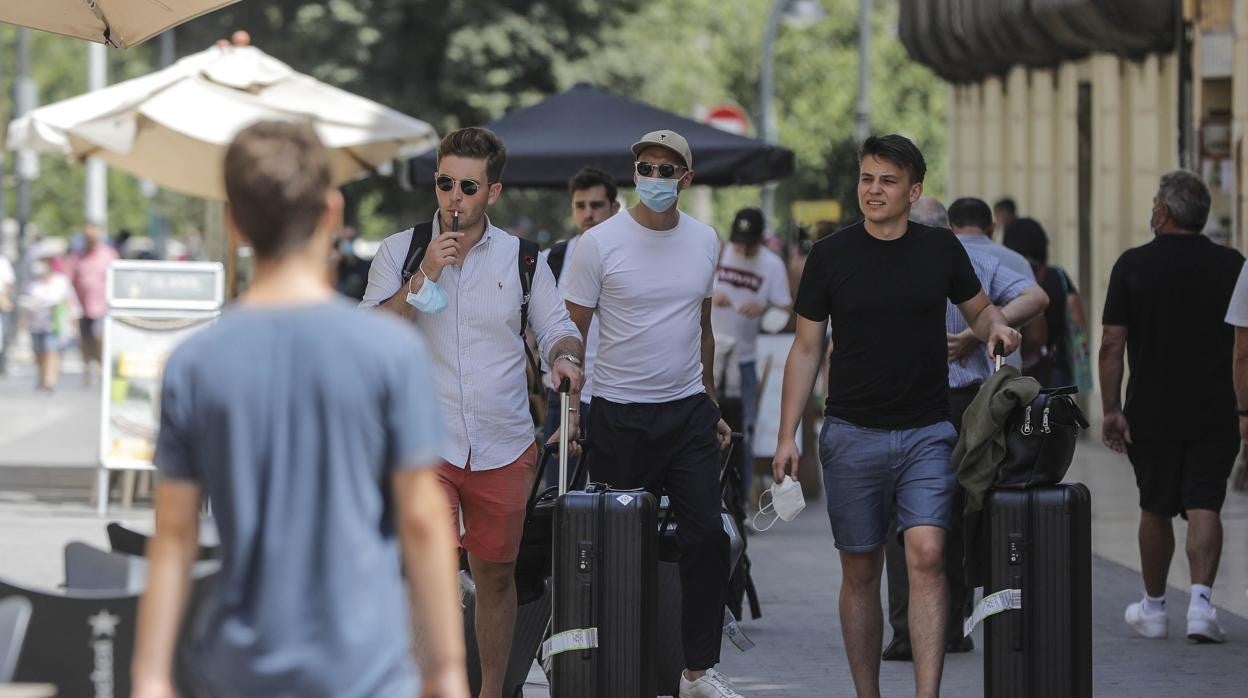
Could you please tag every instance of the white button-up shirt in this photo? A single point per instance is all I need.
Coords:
(475, 345)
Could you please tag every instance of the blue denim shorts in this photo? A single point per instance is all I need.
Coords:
(870, 473)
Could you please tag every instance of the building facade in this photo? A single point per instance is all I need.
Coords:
(1075, 108)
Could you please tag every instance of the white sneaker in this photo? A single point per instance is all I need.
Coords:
(1151, 625)
(1202, 627)
(712, 684)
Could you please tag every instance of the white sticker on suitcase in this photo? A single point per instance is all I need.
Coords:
(991, 605)
(625, 499)
(568, 640)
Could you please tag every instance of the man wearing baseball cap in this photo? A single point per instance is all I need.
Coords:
(647, 272)
(750, 280)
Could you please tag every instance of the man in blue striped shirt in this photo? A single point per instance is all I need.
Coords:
(1020, 299)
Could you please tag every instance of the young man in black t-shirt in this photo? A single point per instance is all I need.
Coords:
(1166, 303)
(886, 441)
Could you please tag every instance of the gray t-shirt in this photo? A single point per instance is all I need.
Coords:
(293, 420)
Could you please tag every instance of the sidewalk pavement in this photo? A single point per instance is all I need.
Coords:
(799, 650)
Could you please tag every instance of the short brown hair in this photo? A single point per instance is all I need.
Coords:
(276, 176)
(478, 144)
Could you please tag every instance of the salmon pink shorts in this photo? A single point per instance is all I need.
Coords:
(492, 503)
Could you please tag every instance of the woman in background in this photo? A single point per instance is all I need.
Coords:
(1048, 351)
(46, 302)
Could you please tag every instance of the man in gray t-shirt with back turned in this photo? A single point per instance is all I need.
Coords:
(307, 424)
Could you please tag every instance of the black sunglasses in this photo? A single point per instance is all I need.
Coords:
(468, 186)
(666, 170)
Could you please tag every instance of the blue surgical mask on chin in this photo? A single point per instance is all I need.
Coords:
(429, 299)
(658, 194)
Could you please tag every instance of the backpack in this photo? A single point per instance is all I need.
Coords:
(526, 266)
(558, 252)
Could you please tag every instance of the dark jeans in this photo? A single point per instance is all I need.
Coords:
(549, 426)
(961, 599)
(670, 448)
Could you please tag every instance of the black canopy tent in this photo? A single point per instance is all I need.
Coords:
(586, 125)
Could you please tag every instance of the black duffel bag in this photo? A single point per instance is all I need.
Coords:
(1040, 440)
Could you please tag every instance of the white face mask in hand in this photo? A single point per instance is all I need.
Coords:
(787, 501)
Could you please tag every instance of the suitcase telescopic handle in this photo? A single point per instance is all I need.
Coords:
(565, 387)
(999, 352)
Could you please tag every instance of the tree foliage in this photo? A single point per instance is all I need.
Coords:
(464, 62)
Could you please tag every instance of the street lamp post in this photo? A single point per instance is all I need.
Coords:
(862, 115)
(794, 12)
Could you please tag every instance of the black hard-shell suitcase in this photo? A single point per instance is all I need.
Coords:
(603, 632)
(1040, 543)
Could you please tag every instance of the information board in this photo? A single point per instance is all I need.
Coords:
(152, 307)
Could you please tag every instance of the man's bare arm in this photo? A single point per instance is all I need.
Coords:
(398, 304)
(431, 567)
(170, 553)
(566, 346)
(581, 317)
(708, 351)
(1113, 343)
(1027, 305)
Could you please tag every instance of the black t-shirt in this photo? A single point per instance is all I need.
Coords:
(1171, 294)
(886, 304)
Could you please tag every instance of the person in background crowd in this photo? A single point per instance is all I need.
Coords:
(1004, 211)
(1164, 306)
(1047, 350)
(887, 442)
(352, 272)
(749, 279)
(88, 271)
(317, 450)
(7, 281)
(47, 301)
(593, 200)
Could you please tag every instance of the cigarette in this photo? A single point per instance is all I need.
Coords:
(455, 221)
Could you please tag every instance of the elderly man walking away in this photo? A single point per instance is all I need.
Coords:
(1165, 306)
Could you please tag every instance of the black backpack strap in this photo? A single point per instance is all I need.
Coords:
(526, 261)
(555, 259)
(422, 235)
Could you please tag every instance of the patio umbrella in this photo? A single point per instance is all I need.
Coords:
(173, 126)
(587, 125)
(120, 23)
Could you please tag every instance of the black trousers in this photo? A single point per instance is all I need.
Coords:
(961, 599)
(671, 448)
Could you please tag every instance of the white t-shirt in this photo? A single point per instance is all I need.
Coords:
(1237, 313)
(41, 299)
(648, 287)
(761, 278)
(591, 339)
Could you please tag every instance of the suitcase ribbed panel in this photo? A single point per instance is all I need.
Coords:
(1040, 540)
(615, 535)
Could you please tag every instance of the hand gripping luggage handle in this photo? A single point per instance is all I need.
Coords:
(565, 387)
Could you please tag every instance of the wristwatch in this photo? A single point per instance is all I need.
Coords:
(572, 358)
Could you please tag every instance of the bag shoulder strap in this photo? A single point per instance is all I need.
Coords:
(422, 235)
(558, 252)
(526, 263)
